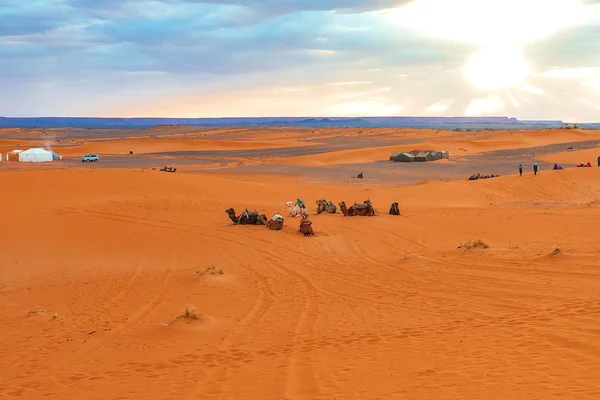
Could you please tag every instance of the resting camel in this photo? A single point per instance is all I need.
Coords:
(296, 209)
(365, 209)
(394, 210)
(247, 217)
(306, 227)
(275, 223)
(324, 206)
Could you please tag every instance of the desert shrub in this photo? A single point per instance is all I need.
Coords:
(210, 270)
(477, 244)
(189, 312)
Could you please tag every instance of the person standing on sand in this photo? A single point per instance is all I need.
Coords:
(520, 169)
(535, 168)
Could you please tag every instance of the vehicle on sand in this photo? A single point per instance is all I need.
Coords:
(247, 217)
(168, 169)
(90, 158)
(365, 209)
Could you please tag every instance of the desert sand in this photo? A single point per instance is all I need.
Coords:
(98, 261)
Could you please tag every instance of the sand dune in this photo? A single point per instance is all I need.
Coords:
(143, 146)
(574, 157)
(97, 263)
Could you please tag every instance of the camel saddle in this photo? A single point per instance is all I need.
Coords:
(360, 206)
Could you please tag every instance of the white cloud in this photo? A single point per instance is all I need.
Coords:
(572, 73)
(487, 22)
(491, 105)
(350, 83)
(365, 109)
(440, 106)
(589, 103)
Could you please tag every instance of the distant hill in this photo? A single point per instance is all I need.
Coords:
(474, 123)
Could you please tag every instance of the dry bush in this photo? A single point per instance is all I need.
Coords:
(211, 270)
(478, 244)
(555, 251)
(188, 312)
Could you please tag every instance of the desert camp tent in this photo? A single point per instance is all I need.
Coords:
(402, 157)
(36, 155)
(424, 156)
(13, 155)
(56, 156)
(436, 155)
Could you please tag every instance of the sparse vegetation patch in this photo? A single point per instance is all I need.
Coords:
(189, 312)
(211, 270)
(477, 244)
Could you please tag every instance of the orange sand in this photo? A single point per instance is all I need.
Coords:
(370, 308)
(142, 146)
(574, 157)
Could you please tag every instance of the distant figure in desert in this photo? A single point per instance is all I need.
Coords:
(535, 168)
(520, 169)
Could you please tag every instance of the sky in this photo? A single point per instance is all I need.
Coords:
(529, 59)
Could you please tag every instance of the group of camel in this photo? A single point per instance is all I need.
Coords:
(275, 223)
(299, 209)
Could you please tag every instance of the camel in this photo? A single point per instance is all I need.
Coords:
(306, 227)
(394, 210)
(365, 209)
(324, 206)
(296, 209)
(247, 217)
(275, 223)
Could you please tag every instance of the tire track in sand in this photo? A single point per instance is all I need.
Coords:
(130, 322)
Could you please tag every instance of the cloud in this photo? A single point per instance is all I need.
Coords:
(285, 57)
(440, 106)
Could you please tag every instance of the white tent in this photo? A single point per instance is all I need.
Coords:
(35, 155)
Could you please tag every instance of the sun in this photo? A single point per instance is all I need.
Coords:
(497, 68)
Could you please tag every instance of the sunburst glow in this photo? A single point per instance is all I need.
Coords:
(497, 68)
(484, 22)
